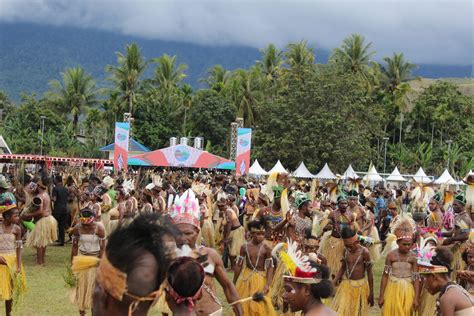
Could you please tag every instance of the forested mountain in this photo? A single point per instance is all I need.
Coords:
(31, 55)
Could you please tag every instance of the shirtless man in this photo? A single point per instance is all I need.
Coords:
(355, 278)
(46, 226)
(436, 218)
(354, 208)
(234, 233)
(274, 218)
(257, 272)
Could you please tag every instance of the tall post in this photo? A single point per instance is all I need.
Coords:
(42, 117)
(239, 122)
(385, 154)
(449, 141)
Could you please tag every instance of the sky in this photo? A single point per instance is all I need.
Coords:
(426, 31)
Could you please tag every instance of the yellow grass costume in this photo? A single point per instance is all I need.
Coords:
(250, 282)
(351, 298)
(375, 249)
(427, 303)
(333, 249)
(237, 237)
(399, 296)
(45, 232)
(81, 294)
(10, 282)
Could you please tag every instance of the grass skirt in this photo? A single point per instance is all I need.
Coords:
(207, 232)
(105, 218)
(113, 225)
(458, 263)
(375, 249)
(333, 250)
(276, 288)
(237, 237)
(248, 284)
(351, 298)
(399, 297)
(45, 233)
(427, 303)
(7, 284)
(81, 294)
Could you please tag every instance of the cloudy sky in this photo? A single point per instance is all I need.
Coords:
(427, 31)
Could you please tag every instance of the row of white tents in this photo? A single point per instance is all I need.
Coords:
(372, 175)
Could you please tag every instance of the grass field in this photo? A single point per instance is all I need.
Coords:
(48, 296)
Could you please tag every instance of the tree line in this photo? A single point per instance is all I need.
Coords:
(349, 110)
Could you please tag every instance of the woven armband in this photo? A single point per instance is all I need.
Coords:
(269, 263)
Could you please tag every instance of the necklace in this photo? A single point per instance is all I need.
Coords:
(348, 275)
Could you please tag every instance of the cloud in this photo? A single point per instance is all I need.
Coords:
(426, 31)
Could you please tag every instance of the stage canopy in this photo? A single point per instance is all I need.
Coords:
(325, 173)
(396, 176)
(421, 177)
(445, 178)
(181, 156)
(278, 167)
(256, 169)
(372, 175)
(302, 172)
(350, 173)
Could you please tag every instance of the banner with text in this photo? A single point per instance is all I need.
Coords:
(244, 142)
(122, 132)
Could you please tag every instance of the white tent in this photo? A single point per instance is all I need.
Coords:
(350, 173)
(445, 178)
(372, 175)
(256, 169)
(278, 167)
(302, 172)
(396, 176)
(325, 173)
(420, 176)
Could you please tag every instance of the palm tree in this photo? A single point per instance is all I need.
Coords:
(168, 75)
(354, 55)
(75, 94)
(271, 62)
(396, 71)
(246, 93)
(299, 54)
(217, 78)
(126, 76)
(186, 98)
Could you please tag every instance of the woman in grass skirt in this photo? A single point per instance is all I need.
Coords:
(12, 276)
(88, 241)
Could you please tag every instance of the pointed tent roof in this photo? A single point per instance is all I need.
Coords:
(445, 178)
(350, 173)
(278, 167)
(256, 169)
(396, 176)
(420, 176)
(325, 173)
(302, 172)
(372, 175)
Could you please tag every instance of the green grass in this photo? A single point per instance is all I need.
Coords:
(48, 295)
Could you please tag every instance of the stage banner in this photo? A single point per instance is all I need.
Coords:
(122, 131)
(244, 142)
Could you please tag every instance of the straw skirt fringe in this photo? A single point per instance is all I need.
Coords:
(237, 237)
(248, 284)
(399, 297)
(333, 250)
(351, 298)
(6, 280)
(427, 303)
(45, 233)
(81, 295)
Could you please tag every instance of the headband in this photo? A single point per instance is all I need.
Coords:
(181, 299)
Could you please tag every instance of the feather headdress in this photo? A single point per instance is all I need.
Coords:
(297, 266)
(353, 184)
(403, 227)
(469, 180)
(421, 195)
(425, 251)
(186, 210)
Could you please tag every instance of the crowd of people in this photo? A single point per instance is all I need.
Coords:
(156, 242)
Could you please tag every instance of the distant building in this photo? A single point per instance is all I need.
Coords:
(136, 149)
